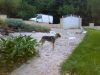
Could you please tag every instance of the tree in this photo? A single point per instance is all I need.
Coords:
(94, 6)
(44, 6)
(26, 10)
(66, 9)
(30, 2)
(9, 7)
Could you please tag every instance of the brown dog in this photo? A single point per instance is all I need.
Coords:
(51, 39)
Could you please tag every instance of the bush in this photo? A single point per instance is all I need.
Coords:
(14, 23)
(2, 23)
(42, 28)
(27, 27)
(19, 25)
(15, 51)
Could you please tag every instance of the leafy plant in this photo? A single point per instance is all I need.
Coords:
(17, 49)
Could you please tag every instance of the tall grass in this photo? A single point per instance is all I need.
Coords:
(85, 60)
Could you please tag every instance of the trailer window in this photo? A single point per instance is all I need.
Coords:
(38, 17)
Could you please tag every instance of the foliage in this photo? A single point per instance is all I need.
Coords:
(87, 9)
(26, 11)
(16, 50)
(9, 7)
(14, 23)
(85, 59)
(2, 24)
(66, 9)
(94, 6)
(29, 28)
(19, 25)
(44, 5)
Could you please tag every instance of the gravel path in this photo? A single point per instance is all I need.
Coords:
(50, 60)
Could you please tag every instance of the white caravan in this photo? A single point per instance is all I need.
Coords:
(43, 18)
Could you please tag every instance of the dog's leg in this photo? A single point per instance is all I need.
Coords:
(53, 45)
(42, 41)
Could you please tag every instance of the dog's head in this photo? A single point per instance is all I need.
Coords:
(58, 35)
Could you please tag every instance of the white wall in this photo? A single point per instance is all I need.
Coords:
(71, 22)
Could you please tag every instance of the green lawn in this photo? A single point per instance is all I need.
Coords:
(85, 59)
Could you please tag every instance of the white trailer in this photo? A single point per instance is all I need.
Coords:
(43, 18)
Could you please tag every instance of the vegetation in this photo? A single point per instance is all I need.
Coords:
(29, 28)
(14, 23)
(26, 10)
(85, 59)
(94, 6)
(2, 23)
(87, 9)
(14, 51)
(19, 25)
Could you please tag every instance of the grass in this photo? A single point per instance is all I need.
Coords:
(85, 59)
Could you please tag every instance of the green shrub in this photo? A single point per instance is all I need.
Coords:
(2, 23)
(19, 25)
(16, 50)
(42, 28)
(29, 28)
(26, 27)
(14, 23)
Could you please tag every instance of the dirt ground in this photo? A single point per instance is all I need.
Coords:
(50, 60)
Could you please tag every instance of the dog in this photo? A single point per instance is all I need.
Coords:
(51, 39)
